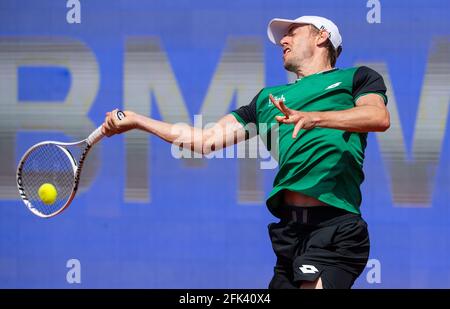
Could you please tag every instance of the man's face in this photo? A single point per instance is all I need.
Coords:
(298, 44)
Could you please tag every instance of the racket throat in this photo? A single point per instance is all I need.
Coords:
(80, 166)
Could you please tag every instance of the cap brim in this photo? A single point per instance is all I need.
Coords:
(278, 28)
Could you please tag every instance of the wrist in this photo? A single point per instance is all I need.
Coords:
(317, 119)
(137, 122)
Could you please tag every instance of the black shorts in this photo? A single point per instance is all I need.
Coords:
(321, 241)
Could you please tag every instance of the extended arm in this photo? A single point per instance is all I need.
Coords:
(227, 131)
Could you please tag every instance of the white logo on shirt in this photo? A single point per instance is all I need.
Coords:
(282, 98)
(308, 269)
(333, 85)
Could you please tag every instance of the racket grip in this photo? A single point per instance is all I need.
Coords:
(95, 136)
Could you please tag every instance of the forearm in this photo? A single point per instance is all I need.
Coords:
(226, 132)
(179, 134)
(358, 119)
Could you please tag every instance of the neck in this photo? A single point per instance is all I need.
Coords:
(313, 66)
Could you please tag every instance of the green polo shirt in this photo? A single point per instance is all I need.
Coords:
(323, 163)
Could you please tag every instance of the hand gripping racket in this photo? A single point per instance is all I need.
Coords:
(58, 164)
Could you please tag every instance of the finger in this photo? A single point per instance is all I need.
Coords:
(106, 124)
(277, 105)
(115, 117)
(280, 118)
(272, 99)
(284, 119)
(110, 123)
(297, 128)
(284, 109)
(105, 131)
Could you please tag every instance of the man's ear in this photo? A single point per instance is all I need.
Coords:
(322, 38)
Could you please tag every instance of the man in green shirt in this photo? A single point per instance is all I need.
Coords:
(321, 240)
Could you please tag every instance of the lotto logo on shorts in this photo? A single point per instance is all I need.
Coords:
(308, 269)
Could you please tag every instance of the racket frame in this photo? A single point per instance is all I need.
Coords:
(90, 141)
(76, 166)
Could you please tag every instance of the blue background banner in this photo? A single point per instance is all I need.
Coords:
(144, 219)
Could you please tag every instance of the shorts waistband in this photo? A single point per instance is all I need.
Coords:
(312, 215)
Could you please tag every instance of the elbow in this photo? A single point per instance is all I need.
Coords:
(208, 144)
(384, 126)
(384, 123)
(205, 151)
(207, 148)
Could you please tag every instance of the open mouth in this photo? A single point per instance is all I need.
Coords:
(286, 50)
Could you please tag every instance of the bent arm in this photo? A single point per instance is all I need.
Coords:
(369, 115)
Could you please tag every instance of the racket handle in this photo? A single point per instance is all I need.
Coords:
(95, 136)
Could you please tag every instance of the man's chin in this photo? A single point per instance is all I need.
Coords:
(289, 67)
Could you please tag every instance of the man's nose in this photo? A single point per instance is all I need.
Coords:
(284, 40)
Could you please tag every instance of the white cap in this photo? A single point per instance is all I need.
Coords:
(278, 28)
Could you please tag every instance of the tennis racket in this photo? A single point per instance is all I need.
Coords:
(58, 164)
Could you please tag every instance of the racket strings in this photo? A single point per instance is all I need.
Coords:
(48, 163)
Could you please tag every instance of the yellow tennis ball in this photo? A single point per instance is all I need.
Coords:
(47, 193)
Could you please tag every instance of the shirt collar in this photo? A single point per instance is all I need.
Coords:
(324, 71)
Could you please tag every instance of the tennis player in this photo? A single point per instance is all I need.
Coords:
(321, 240)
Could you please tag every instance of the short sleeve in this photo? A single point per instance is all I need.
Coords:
(247, 114)
(367, 81)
